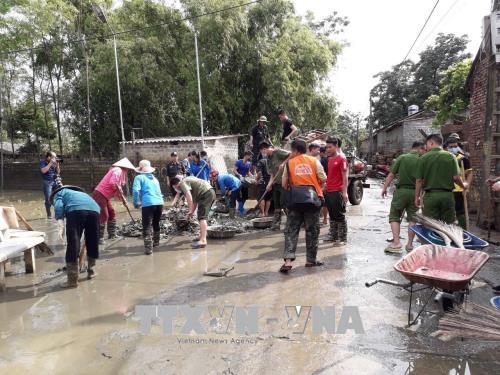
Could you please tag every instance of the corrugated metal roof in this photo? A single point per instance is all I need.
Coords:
(182, 139)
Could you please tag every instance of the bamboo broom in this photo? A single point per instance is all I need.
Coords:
(454, 232)
(473, 321)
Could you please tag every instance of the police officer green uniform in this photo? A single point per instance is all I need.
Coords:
(437, 168)
(404, 197)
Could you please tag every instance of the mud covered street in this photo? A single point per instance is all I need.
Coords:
(93, 329)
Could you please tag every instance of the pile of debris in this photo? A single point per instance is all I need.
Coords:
(173, 222)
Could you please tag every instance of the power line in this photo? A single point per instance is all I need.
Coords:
(130, 31)
(440, 21)
(421, 30)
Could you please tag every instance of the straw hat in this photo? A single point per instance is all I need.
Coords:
(262, 119)
(124, 163)
(145, 167)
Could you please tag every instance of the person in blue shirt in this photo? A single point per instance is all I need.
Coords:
(241, 170)
(48, 170)
(82, 217)
(229, 187)
(147, 195)
(199, 167)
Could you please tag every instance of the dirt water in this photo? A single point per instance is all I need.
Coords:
(94, 328)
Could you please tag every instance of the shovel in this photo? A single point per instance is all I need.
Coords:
(255, 211)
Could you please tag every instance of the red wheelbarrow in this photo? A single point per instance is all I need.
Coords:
(446, 271)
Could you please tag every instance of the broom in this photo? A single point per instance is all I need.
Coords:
(43, 247)
(473, 321)
(454, 232)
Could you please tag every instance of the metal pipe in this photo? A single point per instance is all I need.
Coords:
(388, 282)
(199, 90)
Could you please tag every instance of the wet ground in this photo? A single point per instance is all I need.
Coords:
(93, 329)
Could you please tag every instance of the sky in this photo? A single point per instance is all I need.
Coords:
(381, 32)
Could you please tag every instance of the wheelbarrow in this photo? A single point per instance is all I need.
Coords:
(446, 271)
(428, 236)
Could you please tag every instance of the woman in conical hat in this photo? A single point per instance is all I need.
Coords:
(109, 187)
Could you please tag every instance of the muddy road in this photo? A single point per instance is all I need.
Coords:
(94, 329)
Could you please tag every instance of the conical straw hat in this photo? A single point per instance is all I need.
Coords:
(124, 163)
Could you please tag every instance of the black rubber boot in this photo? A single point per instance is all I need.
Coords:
(90, 268)
(148, 242)
(333, 234)
(72, 271)
(102, 227)
(112, 229)
(276, 220)
(156, 239)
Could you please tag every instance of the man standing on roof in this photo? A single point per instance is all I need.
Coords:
(404, 197)
(258, 134)
(275, 162)
(111, 186)
(437, 172)
(289, 129)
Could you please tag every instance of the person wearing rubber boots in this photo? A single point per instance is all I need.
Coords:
(82, 218)
(111, 186)
(437, 173)
(276, 159)
(229, 187)
(147, 195)
(403, 199)
(200, 196)
(304, 177)
(451, 145)
(336, 192)
(242, 168)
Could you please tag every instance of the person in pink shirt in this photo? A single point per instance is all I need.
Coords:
(109, 187)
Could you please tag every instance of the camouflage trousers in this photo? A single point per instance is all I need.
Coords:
(294, 221)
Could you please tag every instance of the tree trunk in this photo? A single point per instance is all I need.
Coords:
(56, 109)
(33, 92)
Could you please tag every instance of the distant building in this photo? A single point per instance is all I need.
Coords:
(222, 150)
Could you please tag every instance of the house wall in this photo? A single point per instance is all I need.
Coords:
(476, 133)
(411, 132)
(159, 153)
(393, 141)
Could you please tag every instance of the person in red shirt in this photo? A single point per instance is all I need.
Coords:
(336, 192)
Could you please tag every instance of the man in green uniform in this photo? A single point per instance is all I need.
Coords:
(200, 196)
(437, 171)
(275, 163)
(451, 145)
(404, 197)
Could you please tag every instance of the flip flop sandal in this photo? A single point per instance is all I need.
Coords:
(198, 245)
(496, 289)
(409, 248)
(196, 239)
(393, 249)
(285, 269)
(315, 264)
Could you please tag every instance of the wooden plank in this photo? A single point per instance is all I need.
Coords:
(3, 284)
(29, 260)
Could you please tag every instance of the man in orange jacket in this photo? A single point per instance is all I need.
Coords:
(304, 177)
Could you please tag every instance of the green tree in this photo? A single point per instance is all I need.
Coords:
(452, 99)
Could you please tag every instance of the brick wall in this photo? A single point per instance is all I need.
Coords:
(476, 125)
(26, 175)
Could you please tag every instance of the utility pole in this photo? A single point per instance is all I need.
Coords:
(357, 135)
(370, 124)
(199, 89)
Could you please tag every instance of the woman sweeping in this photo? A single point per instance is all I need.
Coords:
(147, 194)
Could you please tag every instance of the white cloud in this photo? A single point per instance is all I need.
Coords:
(381, 32)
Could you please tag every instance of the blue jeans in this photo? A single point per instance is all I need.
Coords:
(47, 190)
